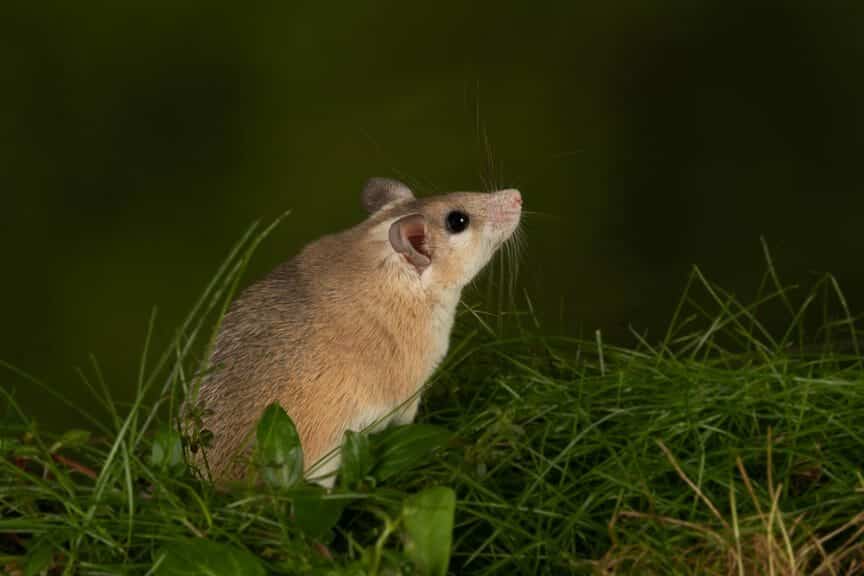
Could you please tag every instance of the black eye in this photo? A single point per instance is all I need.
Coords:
(457, 221)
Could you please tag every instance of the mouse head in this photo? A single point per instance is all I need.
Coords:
(445, 240)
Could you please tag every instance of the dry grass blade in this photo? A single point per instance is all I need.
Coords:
(692, 485)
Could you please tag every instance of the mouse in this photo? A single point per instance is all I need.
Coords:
(345, 334)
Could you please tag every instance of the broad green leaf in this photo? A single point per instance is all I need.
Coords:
(356, 458)
(316, 514)
(428, 521)
(278, 453)
(40, 556)
(403, 447)
(195, 557)
(167, 450)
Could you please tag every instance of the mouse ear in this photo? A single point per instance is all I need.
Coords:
(381, 191)
(409, 237)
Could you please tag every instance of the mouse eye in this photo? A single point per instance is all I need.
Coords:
(457, 221)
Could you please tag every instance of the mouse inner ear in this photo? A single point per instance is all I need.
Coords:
(409, 237)
(381, 191)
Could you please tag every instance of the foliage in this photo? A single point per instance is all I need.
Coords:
(724, 448)
(277, 449)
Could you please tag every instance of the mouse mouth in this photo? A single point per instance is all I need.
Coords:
(506, 218)
(505, 226)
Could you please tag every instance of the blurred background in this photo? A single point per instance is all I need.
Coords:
(139, 140)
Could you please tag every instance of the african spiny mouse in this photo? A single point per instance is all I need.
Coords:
(346, 333)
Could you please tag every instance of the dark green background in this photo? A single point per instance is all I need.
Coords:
(138, 141)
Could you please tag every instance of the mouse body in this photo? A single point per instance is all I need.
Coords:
(346, 333)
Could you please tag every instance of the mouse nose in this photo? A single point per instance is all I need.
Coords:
(512, 197)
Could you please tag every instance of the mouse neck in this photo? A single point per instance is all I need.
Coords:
(429, 306)
(443, 316)
(445, 300)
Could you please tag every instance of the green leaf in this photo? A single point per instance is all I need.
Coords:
(316, 514)
(26, 451)
(194, 557)
(167, 450)
(403, 447)
(428, 521)
(278, 453)
(7, 444)
(71, 439)
(40, 556)
(356, 458)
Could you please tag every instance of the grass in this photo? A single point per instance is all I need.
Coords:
(724, 448)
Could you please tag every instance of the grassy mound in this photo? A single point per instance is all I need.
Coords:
(725, 448)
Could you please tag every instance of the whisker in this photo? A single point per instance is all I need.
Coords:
(536, 213)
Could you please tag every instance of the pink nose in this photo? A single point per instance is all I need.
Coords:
(514, 197)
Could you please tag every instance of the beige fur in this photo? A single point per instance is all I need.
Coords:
(349, 329)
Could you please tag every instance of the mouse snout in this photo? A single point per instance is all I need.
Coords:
(509, 202)
(506, 207)
(512, 198)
